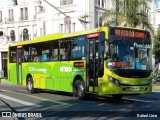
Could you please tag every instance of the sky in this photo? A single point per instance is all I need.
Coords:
(157, 3)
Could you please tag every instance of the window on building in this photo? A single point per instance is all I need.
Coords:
(66, 2)
(61, 28)
(67, 23)
(0, 16)
(101, 3)
(1, 33)
(24, 13)
(10, 15)
(25, 34)
(73, 27)
(21, 13)
(12, 35)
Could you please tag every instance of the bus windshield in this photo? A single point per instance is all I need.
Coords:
(129, 53)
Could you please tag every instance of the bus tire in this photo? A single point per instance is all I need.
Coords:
(79, 89)
(30, 85)
(117, 97)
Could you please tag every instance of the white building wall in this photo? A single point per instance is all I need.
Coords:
(54, 19)
(51, 21)
(32, 24)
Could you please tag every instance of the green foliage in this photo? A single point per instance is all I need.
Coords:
(156, 49)
(129, 12)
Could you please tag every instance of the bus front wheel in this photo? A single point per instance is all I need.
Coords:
(79, 90)
(30, 85)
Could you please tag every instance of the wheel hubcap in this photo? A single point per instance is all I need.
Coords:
(80, 90)
(29, 85)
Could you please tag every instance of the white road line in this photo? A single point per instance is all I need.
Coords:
(136, 100)
(22, 90)
(17, 100)
(43, 99)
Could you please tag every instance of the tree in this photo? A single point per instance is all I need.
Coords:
(127, 12)
(156, 49)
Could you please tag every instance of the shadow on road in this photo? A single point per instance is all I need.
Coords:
(94, 106)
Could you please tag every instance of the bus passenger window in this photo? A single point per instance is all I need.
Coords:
(13, 59)
(65, 49)
(12, 55)
(78, 48)
(54, 55)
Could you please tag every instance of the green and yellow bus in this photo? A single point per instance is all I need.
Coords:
(104, 61)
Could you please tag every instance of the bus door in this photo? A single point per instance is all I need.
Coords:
(92, 64)
(19, 64)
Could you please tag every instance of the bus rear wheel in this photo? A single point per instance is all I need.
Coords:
(79, 89)
(30, 85)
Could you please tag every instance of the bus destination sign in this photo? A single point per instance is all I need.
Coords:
(128, 33)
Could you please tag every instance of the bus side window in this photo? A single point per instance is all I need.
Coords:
(13, 55)
(65, 49)
(13, 59)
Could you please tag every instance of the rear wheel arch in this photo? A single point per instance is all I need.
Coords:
(78, 77)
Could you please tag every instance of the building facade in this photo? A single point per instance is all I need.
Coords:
(19, 21)
(22, 20)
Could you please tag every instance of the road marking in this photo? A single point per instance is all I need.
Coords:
(43, 99)
(17, 100)
(22, 90)
(136, 100)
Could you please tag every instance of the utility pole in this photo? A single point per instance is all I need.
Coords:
(67, 19)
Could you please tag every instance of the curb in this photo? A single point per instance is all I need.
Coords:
(2, 80)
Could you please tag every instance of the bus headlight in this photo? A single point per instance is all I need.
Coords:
(115, 81)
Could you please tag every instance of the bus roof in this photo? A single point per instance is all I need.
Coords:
(61, 35)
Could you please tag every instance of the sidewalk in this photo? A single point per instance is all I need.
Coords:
(156, 87)
(3, 80)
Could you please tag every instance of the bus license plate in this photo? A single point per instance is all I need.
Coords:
(135, 89)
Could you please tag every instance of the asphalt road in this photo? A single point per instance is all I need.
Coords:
(55, 105)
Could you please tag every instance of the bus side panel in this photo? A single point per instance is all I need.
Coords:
(64, 73)
(55, 75)
(35, 70)
(78, 71)
(46, 81)
(12, 76)
(67, 72)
